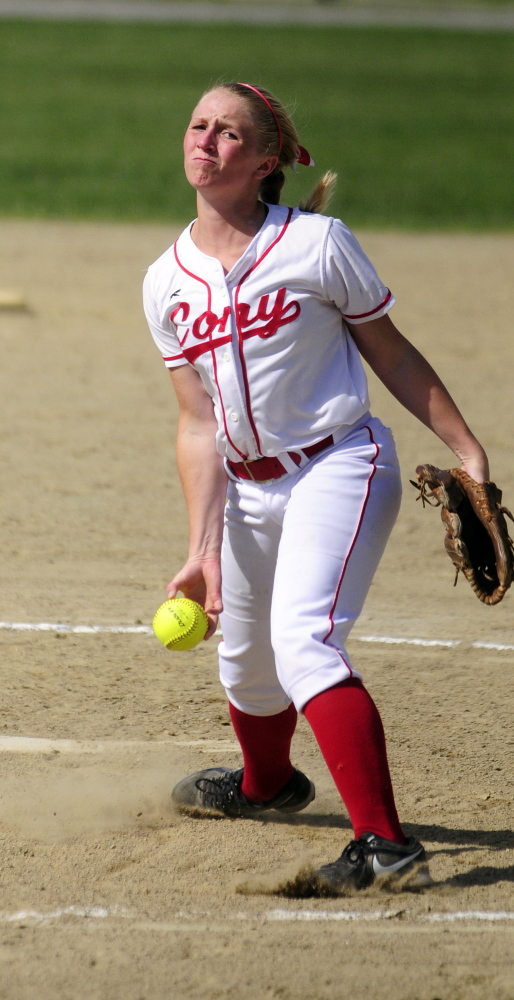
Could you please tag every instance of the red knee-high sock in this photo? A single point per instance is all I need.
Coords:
(348, 728)
(266, 742)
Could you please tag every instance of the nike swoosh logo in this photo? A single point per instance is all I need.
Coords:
(379, 869)
(175, 293)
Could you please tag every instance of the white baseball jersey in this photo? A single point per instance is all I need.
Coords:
(269, 339)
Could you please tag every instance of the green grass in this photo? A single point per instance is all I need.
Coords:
(419, 124)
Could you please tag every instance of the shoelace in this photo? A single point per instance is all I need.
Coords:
(353, 854)
(219, 790)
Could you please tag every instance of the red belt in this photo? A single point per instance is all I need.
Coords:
(264, 470)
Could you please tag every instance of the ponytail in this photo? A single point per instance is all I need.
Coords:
(320, 196)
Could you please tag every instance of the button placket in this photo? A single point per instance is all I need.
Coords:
(229, 376)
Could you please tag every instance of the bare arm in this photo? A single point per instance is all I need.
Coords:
(412, 381)
(204, 483)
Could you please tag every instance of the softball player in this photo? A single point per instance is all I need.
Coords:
(262, 313)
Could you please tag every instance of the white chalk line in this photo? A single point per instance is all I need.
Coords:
(388, 639)
(391, 640)
(79, 629)
(98, 913)
(492, 645)
(33, 744)
(76, 629)
(88, 912)
(438, 918)
(354, 915)
(147, 630)
(337, 915)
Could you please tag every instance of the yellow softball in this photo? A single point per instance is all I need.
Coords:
(180, 623)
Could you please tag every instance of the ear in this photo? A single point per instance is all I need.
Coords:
(266, 167)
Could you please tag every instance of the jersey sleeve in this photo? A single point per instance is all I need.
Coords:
(350, 279)
(163, 332)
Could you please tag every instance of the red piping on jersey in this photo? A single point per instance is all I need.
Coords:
(240, 335)
(372, 311)
(209, 346)
(353, 542)
(173, 357)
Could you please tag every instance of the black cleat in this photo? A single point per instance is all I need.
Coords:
(370, 858)
(217, 792)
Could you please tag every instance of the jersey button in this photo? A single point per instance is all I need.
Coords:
(233, 416)
(226, 356)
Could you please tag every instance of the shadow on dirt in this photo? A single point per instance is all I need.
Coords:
(316, 820)
(499, 840)
(486, 875)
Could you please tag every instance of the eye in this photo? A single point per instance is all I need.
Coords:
(231, 135)
(198, 128)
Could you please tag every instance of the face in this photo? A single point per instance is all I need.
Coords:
(220, 145)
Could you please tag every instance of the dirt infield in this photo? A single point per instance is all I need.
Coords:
(105, 893)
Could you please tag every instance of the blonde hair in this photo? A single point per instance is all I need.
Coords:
(269, 137)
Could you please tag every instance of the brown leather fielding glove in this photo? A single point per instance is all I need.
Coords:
(477, 538)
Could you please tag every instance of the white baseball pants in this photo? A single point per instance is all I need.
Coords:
(298, 559)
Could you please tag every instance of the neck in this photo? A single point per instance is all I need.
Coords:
(225, 231)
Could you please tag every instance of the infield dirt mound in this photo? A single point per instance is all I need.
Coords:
(92, 527)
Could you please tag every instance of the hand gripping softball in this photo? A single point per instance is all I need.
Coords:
(477, 538)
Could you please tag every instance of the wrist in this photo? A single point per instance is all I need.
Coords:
(474, 460)
(203, 555)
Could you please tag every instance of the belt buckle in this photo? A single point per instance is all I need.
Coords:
(260, 482)
(246, 464)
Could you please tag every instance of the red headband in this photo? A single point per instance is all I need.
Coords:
(303, 156)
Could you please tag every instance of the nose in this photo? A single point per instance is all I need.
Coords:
(206, 140)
